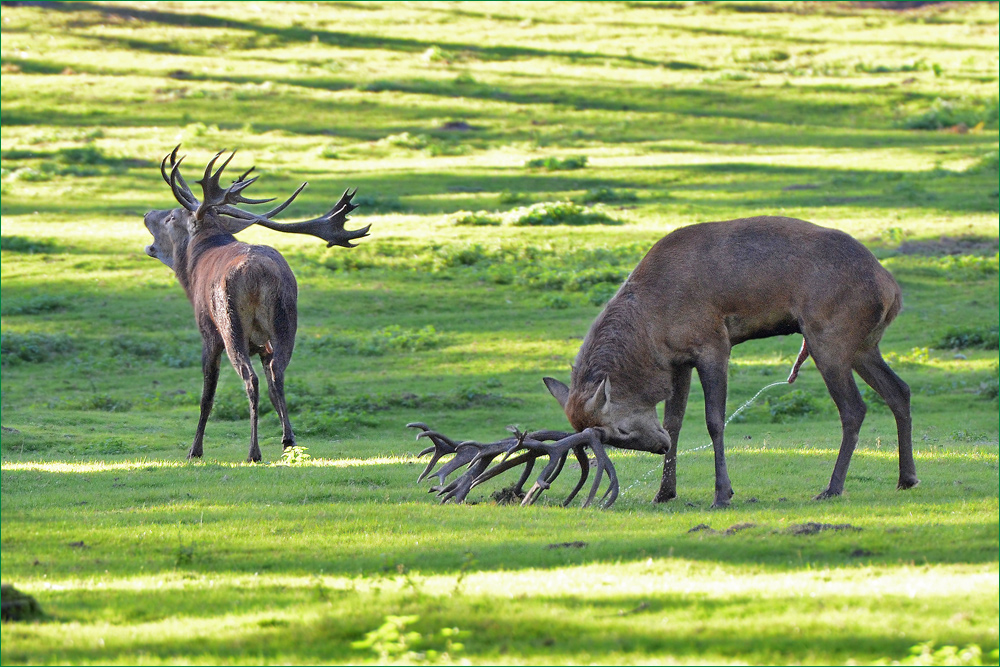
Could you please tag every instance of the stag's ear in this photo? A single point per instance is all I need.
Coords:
(601, 397)
(558, 390)
(235, 225)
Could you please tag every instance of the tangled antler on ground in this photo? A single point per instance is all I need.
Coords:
(528, 446)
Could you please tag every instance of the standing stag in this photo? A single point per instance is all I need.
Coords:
(244, 296)
(698, 292)
(705, 288)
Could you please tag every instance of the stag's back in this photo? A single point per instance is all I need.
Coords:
(252, 285)
(765, 273)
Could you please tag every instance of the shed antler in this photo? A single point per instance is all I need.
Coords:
(224, 201)
(528, 447)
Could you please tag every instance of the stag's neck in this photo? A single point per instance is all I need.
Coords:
(189, 257)
(619, 348)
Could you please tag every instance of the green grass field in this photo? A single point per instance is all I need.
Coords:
(515, 161)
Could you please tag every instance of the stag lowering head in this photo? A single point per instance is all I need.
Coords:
(621, 424)
(598, 421)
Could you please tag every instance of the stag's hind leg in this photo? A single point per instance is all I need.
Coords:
(872, 368)
(276, 356)
(239, 355)
(274, 364)
(243, 366)
(836, 372)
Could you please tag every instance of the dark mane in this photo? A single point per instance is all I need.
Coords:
(617, 346)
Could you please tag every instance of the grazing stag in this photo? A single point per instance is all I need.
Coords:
(698, 292)
(244, 296)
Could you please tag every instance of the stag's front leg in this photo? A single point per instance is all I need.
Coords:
(673, 416)
(714, 381)
(211, 352)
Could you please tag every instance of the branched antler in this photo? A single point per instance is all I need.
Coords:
(528, 447)
(223, 201)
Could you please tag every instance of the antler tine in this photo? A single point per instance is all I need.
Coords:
(329, 227)
(182, 193)
(603, 465)
(463, 456)
(442, 447)
(544, 481)
(479, 458)
(557, 457)
(482, 456)
(507, 464)
(459, 488)
(163, 168)
(234, 194)
(214, 194)
(172, 156)
(344, 205)
(581, 456)
(176, 182)
(281, 207)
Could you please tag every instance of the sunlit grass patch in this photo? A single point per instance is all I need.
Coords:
(858, 118)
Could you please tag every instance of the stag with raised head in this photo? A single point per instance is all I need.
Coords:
(698, 292)
(244, 296)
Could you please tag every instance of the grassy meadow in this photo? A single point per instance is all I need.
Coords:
(515, 161)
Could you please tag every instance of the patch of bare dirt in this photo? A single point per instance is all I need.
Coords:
(567, 545)
(732, 530)
(507, 496)
(811, 528)
(950, 245)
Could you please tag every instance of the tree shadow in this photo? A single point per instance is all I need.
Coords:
(564, 628)
(304, 34)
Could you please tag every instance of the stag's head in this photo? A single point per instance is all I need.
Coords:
(626, 424)
(218, 211)
(171, 230)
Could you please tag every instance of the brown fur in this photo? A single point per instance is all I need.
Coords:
(705, 288)
(244, 298)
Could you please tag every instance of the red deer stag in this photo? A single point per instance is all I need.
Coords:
(698, 292)
(705, 288)
(244, 296)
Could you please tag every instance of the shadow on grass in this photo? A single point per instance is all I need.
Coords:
(565, 629)
(364, 518)
(344, 40)
(778, 187)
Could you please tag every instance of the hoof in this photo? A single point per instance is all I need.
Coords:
(286, 444)
(664, 498)
(722, 499)
(907, 482)
(825, 495)
(194, 455)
